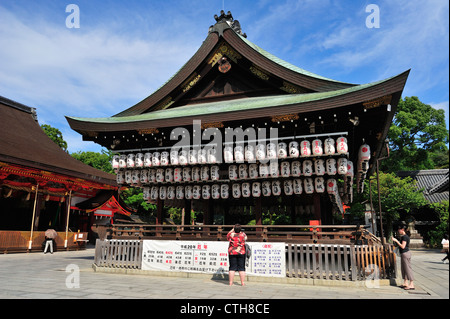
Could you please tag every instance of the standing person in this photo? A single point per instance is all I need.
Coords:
(236, 253)
(405, 254)
(444, 243)
(48, 243)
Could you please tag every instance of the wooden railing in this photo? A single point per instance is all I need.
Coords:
(305, 234)
(328, 262)
(340, 262)
(18, 241)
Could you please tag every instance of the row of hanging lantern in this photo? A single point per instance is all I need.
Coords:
(306, 168)
(238, 154)
(246, 189)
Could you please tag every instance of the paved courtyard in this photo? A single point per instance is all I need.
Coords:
(70, 275)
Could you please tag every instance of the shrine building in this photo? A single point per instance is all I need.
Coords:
(238, 134)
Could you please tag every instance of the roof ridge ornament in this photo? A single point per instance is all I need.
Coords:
(226, 19)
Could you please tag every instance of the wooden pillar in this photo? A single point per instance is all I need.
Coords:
(317, 212)
(159, 215)
(258, 211)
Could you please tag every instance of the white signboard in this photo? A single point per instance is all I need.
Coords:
(267, 259)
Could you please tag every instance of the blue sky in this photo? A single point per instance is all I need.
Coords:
(124, 50)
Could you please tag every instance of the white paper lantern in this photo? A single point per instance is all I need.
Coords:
(174, 157)
(246, 191)
(178, 174)
(211, 154)
(319, 184)
(236, 190)
(202, 156)
(156, 159)
(266, 188)
(263, 170)
(285, 168)
(233, 172)
(152, 175)
(282, 150)
(163, 192)
(253, 171)
(171, 192)
(228, 154)
(187, 174)
(307, 168)
(243, 171)
(115, 162)
(319, 167)
(273, 168)
(120, 177)
(193, 157)
(288, 187)
(276, 188)
(165, 160)
(154, 193)
(196, 192)
(309, 185)
(183, 157)
(332, 186)
(239, 153)
(169, 175)
(296, 169)
(342, 166)
(146, 193)
(305, 148)
(329, 146)
(180, 192)
(298, 188)
(317, 148)
(122, 161)
(204, 173)
(139, 160)
(271, 150)
(256, 189)
(364, 158)
(148, 160)
(130, 160)
(215, 191)
(215, 173)
(196, 174)
(144, 176)
(128, 177)
(260, 152)
(249, 153)
(160, 175)
(331, 166)
(294, 149)
(188, 192)
(341, 145)
(224, 191)
(206, 192)
(350, 169)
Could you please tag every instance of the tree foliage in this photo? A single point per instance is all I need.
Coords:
(55, 135)
(418, 137)
(101, 161)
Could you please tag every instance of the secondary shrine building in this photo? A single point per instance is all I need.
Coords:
(237, 133)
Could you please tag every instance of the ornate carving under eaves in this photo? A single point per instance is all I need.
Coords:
(225, 21)
(290, 88)
(259, 73)
(223, 50)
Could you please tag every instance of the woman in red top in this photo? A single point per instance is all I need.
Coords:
(236, 253)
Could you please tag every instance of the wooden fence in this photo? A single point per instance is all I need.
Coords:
(18, 241)
(330, 262)
(304, 234)
(340, 262)
(118, 253)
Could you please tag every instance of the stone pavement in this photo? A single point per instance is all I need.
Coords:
(56, 276)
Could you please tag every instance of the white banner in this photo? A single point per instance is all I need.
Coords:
(267, 259)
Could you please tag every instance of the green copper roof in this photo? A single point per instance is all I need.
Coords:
(250, 103)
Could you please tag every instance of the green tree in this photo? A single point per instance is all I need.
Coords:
(55, 135)
(101, 161)
(418, 136)
(397, 195)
